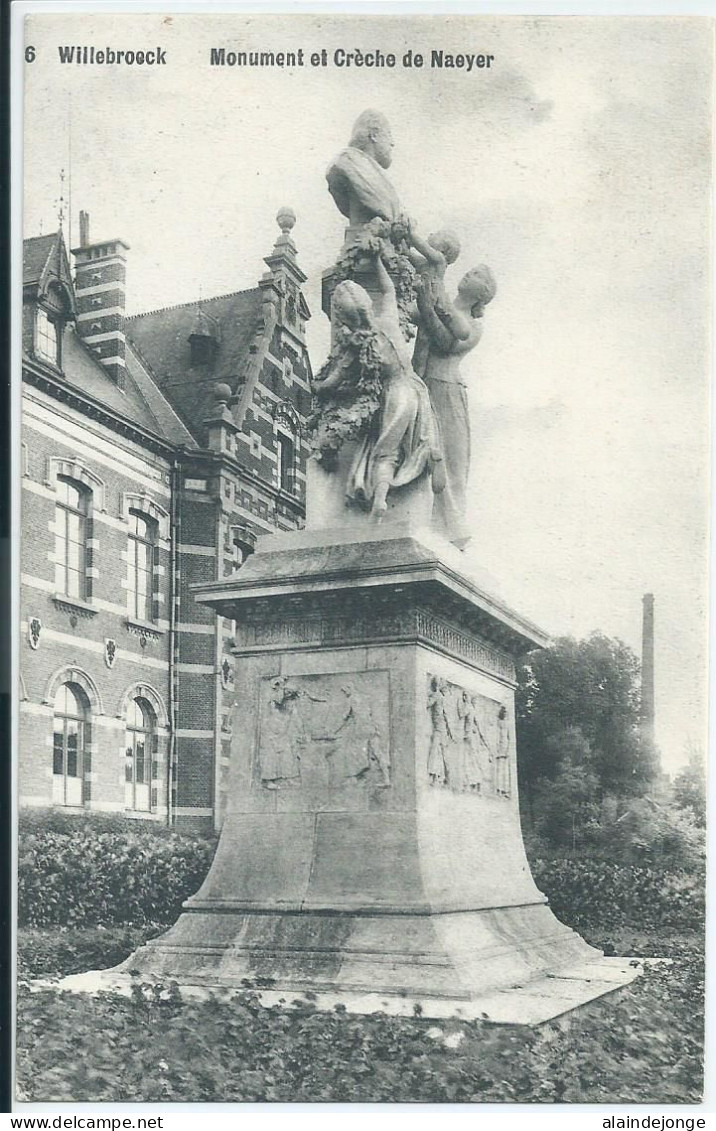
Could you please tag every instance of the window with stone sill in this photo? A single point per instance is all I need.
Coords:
(141, 745)
(70, 745)
(72, 529)
(286, 460)
(141, 559)
(47, 337)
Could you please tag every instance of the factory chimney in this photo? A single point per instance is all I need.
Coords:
(647, 666)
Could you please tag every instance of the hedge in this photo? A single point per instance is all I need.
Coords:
(52, 952)
(584, 891)
(85, 877)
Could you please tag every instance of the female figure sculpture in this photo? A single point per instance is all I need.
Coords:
(441, 736)
(503, 784)
(438, 363)
(282, 737)
(358, 747)
(368, 392)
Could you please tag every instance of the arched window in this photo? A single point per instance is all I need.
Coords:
(140, 746)
(47, 341)
(140, 580)
(71, 514)
(69, 744)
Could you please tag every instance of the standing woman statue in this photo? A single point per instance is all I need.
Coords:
(368, 392)
(447, 332)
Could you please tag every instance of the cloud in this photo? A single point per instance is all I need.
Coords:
(504, 100)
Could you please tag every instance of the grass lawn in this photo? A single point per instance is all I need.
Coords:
(643, 1045)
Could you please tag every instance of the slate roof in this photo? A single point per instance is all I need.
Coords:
(162, 339)
(168, 423)
(36, 252)
(140, 402)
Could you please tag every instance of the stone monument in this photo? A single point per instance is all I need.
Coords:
(371, 850)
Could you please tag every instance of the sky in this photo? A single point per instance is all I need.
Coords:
(577, 166)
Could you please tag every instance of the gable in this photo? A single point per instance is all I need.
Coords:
(162, 337)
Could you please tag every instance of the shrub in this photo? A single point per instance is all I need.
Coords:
(57, 820)
(589, 891)
(85, 877)
(54, 952)
(90, 877)
(643, 1045)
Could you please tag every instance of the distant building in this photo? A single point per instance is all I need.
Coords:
(155, 450)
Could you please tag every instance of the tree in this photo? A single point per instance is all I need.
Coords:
(689, 789)
(566, 807)
(592, 684)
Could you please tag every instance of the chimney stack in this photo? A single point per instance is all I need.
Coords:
(647, 666)
(100, 276)
(84, 229)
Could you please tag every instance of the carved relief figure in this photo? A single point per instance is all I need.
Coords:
(503, 782)
(441, 733)
(282, 737)
(442, 344)
(474, 748)
(482, 749)
(367, 391)
(358, 748)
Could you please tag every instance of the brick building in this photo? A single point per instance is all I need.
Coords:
(155, 449)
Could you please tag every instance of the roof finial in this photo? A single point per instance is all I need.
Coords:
(61, 202)
(285, 218)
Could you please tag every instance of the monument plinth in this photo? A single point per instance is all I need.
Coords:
(372, 841)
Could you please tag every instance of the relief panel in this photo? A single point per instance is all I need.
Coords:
(327, 736)
(470, 741)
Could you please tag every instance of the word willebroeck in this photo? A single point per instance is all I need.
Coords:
(107, 56)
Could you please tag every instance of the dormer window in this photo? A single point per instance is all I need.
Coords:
(47, 337)
(202, 350)
(204, 340)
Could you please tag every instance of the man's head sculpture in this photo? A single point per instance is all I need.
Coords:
(371, 133)
(477, 287)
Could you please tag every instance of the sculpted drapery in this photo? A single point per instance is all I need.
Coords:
(406, 413)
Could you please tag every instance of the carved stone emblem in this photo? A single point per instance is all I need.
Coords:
(34, 628)
(470, 741)
(227, 674)
(110, 652)
(325, 734)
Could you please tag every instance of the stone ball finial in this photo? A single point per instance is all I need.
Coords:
(222, 392)
(285, 218)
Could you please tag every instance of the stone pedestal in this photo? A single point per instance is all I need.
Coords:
(372, 842)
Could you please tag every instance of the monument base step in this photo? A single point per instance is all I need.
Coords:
(536, 1002)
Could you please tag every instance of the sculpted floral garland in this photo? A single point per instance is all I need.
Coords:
(345, 413)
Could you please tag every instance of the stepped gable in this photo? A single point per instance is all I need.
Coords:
(162, 338)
